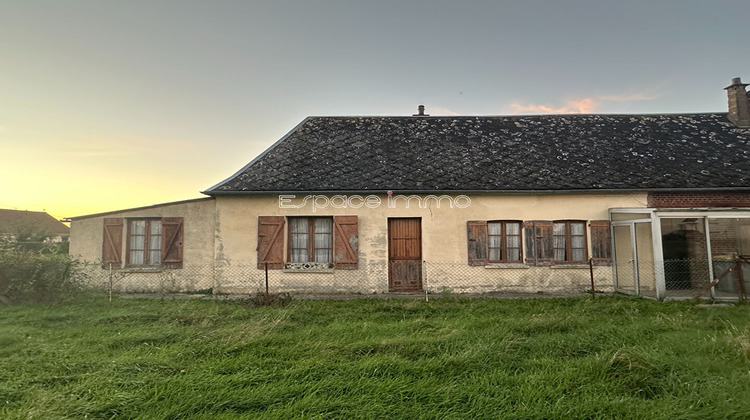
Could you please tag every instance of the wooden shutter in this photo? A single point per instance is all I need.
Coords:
(271, 242)
(112, 243)
(477, 239)
(601, 242)
(171, 244)
(539, 249)
(345, 242)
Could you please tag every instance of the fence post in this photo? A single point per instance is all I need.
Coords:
(424, 280)
(741, 292)
(266, 267)
(591, 270)
(110, 282)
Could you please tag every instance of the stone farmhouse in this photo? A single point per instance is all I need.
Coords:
(656, 204)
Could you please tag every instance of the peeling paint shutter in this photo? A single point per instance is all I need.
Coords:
(601, 243)
(271, 242)
(477, 239)
(171, 244)
(112, 243)
(345, 242)
(539, 249)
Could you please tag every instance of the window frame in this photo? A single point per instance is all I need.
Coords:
(311, 234)
(568, 249)
(504, 242)
(146, 244)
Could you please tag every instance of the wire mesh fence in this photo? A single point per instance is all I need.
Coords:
(683, 278)
(316, 280)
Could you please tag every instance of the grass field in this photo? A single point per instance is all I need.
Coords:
(449, 358)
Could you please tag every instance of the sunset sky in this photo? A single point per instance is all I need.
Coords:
(107, 105)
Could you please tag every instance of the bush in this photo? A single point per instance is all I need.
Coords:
(36, 276)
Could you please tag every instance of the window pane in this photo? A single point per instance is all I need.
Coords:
(495, 241)
(323, 225)
(495, 254)
(514, 255)
(136, 257)
(154, 257)
(576, 228)
(578, 242)
(514, 241)
(298, 225)
(299, 255)
(579, 255)
(558, 228)
(494, 228)
(559, 254)
(513, 228)
(137, 227)
(155, 227)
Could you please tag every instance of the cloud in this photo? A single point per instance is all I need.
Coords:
(579, 106)
(573, 106)
(629, 97)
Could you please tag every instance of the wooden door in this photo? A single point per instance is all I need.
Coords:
(405, 255)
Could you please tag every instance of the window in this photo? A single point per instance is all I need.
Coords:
(310, 239)
(144, 242)
(601, 242)
(504, 241)
(569, 241)
(148, 242)
(494, 242)
(329, 240)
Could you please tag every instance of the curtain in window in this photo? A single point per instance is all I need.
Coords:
(558, 241)
(323, 239)
(495, 231)
(137, 242)
(298, 229)
(513, 239)
(154, 243)
(578, 241)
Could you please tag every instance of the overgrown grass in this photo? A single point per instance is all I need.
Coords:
(449, 358)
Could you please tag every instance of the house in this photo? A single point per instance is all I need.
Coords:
(657, 203)
(36, 225)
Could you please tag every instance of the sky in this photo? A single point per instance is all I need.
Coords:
(107, 105)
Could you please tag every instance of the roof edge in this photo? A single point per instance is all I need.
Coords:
(171, 203)
(509, 192)
(209, 190)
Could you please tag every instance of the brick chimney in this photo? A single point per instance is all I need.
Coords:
(739, 103)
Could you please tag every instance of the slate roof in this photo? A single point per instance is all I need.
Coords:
(14, 221)
(509, 153)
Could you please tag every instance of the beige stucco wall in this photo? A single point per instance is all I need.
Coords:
(220, 241)
(86, 236)
(444, 242)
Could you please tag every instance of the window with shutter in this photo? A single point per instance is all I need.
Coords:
(601, 242)
(539, 242)
(112, 243)
(569, 241)
(271, 242)
(346, 242)
(477, 242)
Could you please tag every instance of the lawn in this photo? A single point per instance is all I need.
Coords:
(371, 358)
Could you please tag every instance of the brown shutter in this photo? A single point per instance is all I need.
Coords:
(539, 249)
(171, 244)
(530, 242)
(601, 242)
(345, 242)
(112, 243)
(271, 242)
(477, 239)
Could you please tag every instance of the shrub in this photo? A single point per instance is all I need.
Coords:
(38, 276)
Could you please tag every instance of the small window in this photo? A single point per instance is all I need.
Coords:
(504, 241)
(144, 242)
(310, 239)
(569, 241)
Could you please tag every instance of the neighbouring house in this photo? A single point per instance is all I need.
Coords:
(658, 204)
(33, 225)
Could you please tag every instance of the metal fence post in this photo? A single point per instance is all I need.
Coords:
(591, 270)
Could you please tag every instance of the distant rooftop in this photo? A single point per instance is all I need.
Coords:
(14, 221)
